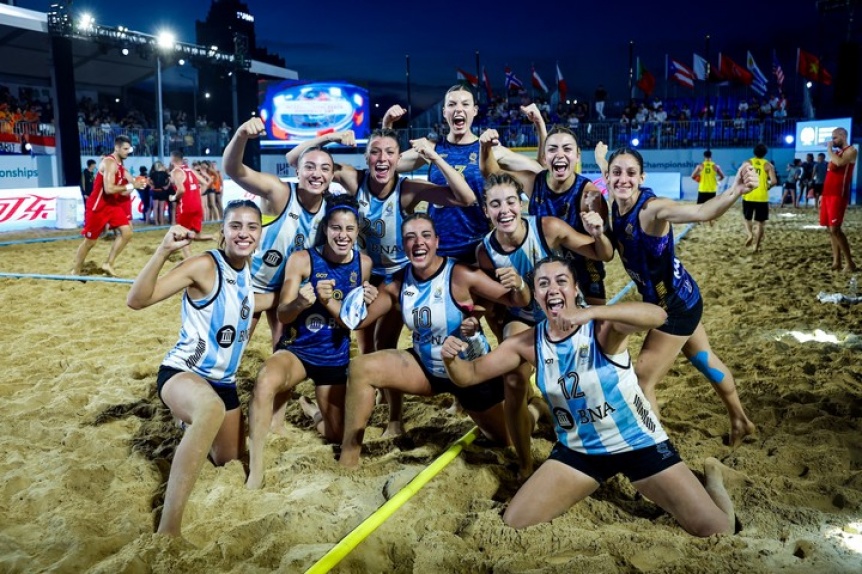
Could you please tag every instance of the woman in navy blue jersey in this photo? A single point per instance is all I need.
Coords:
(315, 343)
(643, 235)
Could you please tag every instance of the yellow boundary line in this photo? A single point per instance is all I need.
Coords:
(370, 524)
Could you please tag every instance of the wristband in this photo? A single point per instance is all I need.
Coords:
(130, 187)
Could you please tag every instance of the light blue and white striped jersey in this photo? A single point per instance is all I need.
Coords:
(430, 312)
(595, 401)
(533, 249)
(215, 329)
(294, 229)
(380, 236)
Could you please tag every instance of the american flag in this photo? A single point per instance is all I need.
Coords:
(776, 69)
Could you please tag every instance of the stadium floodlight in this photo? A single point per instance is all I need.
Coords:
(636, 142)
(206, 95)
(87, 21)
(125, 51)
(789, 139)
(808, 85)
(166, 40)
(181, 62)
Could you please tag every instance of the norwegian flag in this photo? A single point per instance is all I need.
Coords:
(512, 81)
(537, 82)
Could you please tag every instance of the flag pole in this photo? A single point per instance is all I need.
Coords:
(708, 90)
(631, 69)
(478, 79)
(409, 100)
(665, 76)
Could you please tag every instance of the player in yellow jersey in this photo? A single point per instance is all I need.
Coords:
(755, 205)
(707, 175)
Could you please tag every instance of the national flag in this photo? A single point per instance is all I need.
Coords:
(468, 78)
(512, 81)
(10, 143)
(562, 89)
(759, 82)
(776, 69)
(680, 73)
(703, 70)
(730, 70)
(809, 68)
(537, 82)
(646, 81)
(487, 83)
(42, 145)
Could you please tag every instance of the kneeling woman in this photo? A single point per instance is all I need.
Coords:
(315, 343)
(197, 379)
(603, 422)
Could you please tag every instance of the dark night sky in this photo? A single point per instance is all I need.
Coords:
(366, 42)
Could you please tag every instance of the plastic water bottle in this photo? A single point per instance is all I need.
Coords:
(853, 288)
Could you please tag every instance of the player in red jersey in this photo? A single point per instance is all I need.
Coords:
(187, 193)
(109, 204)
(836, 196)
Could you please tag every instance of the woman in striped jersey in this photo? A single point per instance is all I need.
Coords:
(197, 379)
(604, 424)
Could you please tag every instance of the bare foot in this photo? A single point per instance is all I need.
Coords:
(739, 429)
(749, 240)
(76, 272)
(455, 408)
(851, 269)
(310, 409)
(836, 265)
(107, 268)
(254, 482)
(393, 429)
(349, 458)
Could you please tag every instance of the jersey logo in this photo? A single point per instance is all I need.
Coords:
(225, 336)
(438, 293)
(320, 275)
(293, 216)
(272, 258)
(408, 293)
(564, 418)
(315, 323)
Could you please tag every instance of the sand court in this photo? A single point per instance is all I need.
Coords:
(87, 444)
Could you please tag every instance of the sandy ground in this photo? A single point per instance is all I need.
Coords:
(86, 444)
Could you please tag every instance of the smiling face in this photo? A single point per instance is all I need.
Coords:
(503, 207)
(241, 232)
(459, 110)
(555, 288)
(315, 171)
(420, 243)
(341, 233)
(382, 157)
(625, 176)
(561, 155)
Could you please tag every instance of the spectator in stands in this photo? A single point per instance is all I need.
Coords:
(88, 176)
